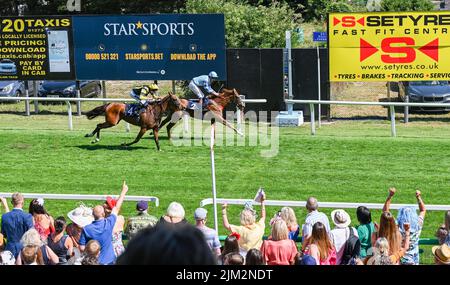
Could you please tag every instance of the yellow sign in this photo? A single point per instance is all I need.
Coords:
(400, 46)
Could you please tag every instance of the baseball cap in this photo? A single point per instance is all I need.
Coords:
(111, 202)
(142, 206)
(200, 214)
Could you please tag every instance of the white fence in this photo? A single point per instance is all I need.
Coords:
(81, 197)
(332, 205)
(123, 100)
(391, 106)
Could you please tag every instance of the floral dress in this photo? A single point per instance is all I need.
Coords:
(117, 243)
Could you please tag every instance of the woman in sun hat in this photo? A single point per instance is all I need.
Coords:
(441, 254)
(341, 232)
(80, 217)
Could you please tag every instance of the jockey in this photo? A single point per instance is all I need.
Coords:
(203, 82)
(144, 95)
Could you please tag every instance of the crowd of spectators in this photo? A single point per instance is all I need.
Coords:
(94, 236)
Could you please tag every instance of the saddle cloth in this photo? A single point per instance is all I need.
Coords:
(194, 105)
(134, 110)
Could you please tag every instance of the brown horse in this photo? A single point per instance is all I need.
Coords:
(149, 119)
(216, 106)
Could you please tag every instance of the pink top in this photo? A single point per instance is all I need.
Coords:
(330, 260)
(281, 252)
(43, 232)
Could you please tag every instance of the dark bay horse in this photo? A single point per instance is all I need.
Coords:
(216, 106)
(149, 119)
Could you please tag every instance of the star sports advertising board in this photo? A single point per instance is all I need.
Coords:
(400, 46)
(137, 47)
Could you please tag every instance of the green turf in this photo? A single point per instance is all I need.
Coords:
(345, 162)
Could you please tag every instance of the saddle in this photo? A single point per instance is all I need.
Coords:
(135, 109)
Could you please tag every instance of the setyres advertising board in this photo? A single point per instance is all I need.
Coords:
(400, 46)
(157, 47)
(35, 48)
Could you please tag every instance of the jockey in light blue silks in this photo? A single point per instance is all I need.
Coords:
(203, 82)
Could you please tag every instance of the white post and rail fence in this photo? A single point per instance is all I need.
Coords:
(391, 106)
(78, 101)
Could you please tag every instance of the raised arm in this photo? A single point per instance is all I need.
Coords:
(263, 207)
(5, 204)
(119, 203)
(422, 208)
(225, 218)
(387, 204)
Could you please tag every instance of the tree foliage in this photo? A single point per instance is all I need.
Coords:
(406, 5)
(250, 26)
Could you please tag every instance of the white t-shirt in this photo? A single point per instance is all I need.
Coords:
(339, 237)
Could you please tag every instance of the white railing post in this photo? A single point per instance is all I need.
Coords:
(313, 120)
(392, 111)
(69, 113)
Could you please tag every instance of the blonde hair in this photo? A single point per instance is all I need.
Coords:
(288, 215)
(381, 254)
(247, 217)
(29, 255)
(280, 230)
(31, 238)
(175, 210)
(93, 248)
(16, 199)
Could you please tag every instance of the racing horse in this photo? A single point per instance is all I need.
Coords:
(216, 105)
(150, 118)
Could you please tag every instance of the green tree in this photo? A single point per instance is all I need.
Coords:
(250, 26)
(406, 5)
(317, 10)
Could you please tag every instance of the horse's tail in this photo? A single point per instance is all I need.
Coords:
(100, 110)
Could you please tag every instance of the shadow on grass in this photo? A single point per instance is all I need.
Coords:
(110, 147)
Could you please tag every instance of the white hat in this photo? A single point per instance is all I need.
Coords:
(340, 218)
(82, 216)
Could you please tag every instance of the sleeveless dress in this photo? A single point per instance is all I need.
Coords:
(117, 243)
(43, 232)
(59, 248)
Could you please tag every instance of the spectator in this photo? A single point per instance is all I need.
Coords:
(6, 256)
(254, 257)
(168, 245)
(59, 242)
(280, 250)
(341, 233)
(381, 249)
(441, 254)
(174, 215)
(443, 233)
(320, 246)
(29, 256)
(80, 217)
(313, 217)
(288, 215)
(140, 221)
(381, 254)
(304, 259)
(230, 245)
(250, 231)
(365, 229)
(45, 256)
(210, 235)
(43, 222)
(102, 228)
(408, 215)
(233, 259)
(117, 242)
(15, 224)
(92, 253)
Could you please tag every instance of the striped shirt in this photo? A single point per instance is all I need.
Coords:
(311, 219)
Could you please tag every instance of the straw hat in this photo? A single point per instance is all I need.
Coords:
(82, 216)
(442, 253)
(340, 218)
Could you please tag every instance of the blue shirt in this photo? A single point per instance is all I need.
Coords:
(14, 225)
(101, 231)
(203, 81)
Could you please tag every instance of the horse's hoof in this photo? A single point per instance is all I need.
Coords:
(87, 135)
(95, 141)
(240, 133)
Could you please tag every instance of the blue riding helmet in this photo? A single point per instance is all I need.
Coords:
(213, 74)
